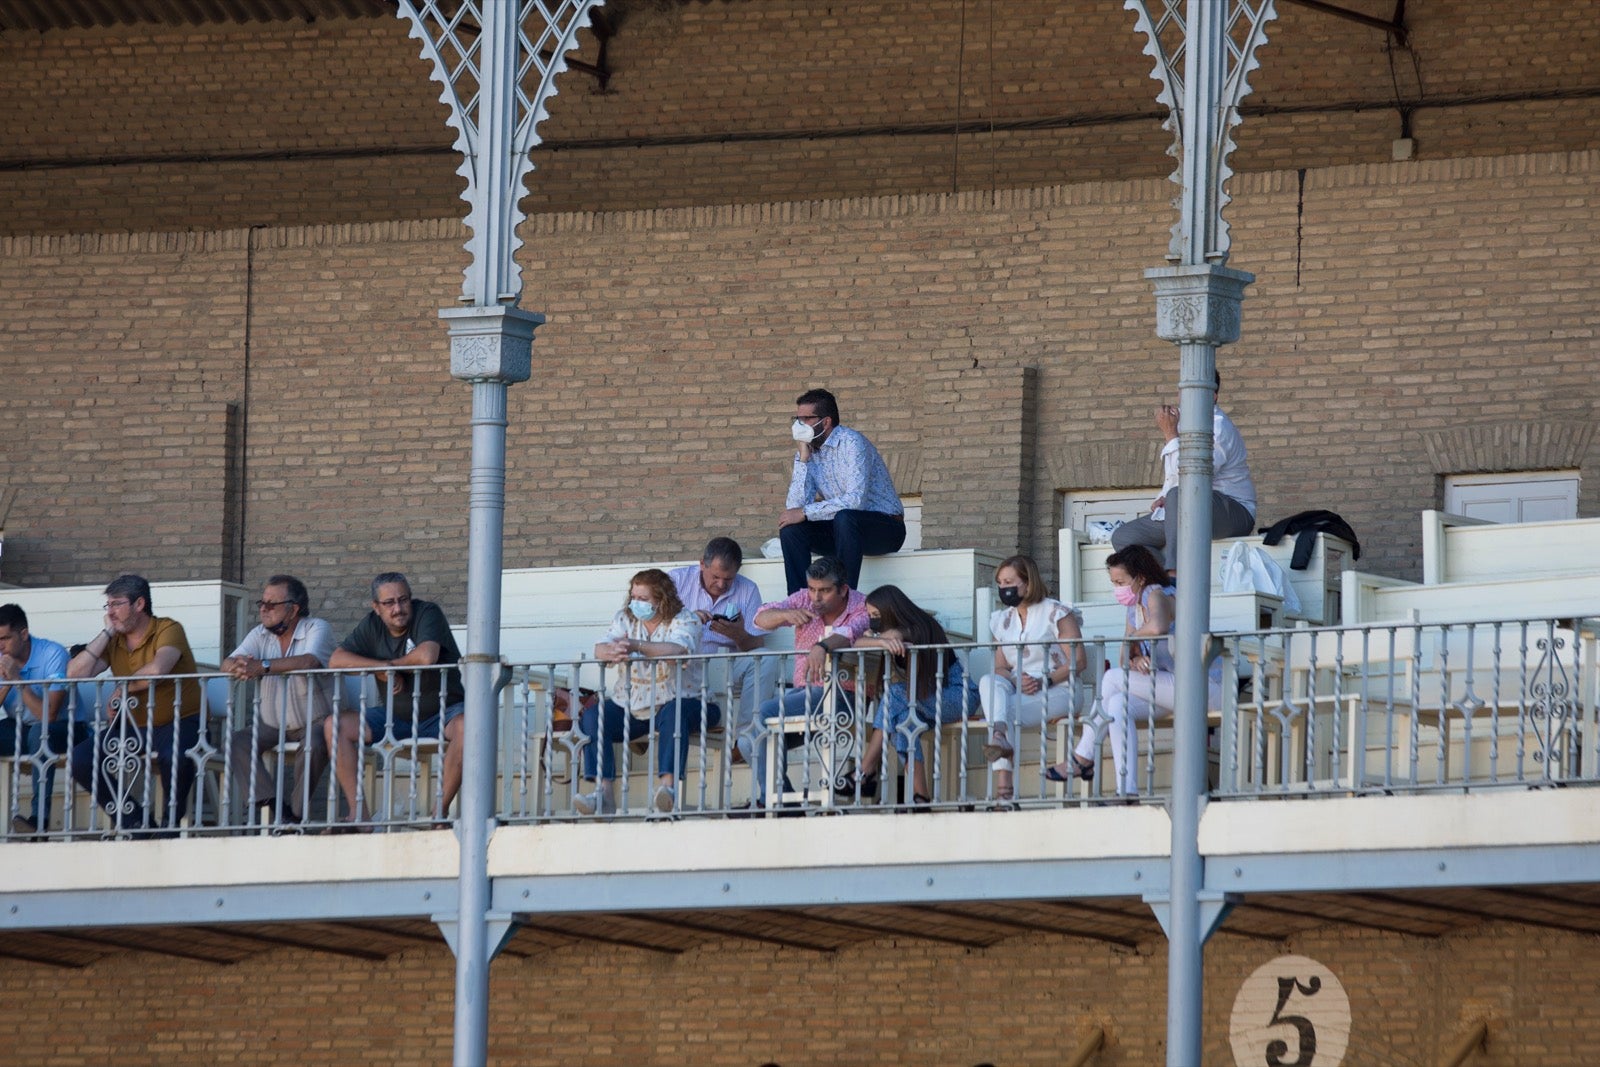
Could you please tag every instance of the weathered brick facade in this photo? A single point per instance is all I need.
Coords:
(999, 350)
(736, 1004)
(222, 359)
(750, 101)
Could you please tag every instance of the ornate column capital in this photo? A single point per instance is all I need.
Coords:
(1198, 303)
(491, 344)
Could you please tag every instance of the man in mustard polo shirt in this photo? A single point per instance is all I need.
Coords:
(143, 719)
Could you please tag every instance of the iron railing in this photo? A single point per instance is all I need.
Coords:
(1400, 707)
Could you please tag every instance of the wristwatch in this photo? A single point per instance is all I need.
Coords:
(266, 666)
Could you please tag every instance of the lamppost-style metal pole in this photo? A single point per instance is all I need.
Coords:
(482, 56)
(1197, 308)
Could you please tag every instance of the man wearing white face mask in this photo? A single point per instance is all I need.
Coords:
(841, 500)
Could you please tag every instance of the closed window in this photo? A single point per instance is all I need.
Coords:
(1514, 496)
(1081, 507)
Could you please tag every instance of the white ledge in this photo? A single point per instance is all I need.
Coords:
(226, 861)
(1494, 819)
(839, 842)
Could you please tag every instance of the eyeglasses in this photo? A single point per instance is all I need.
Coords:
(394, 602)
(121, 603)
(263, 605)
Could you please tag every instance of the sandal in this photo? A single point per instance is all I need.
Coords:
(997, 747)
(845, 790)
(1079, 769)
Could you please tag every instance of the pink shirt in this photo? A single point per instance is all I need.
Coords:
(852, 623)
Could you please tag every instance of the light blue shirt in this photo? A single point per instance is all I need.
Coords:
(845, 474)
(46, 659)
(742, 595)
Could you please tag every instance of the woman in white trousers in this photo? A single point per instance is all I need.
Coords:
(1036, 668)
(1142, 688)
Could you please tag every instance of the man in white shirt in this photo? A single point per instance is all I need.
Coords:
(1233, 493)
(288, 709)
(727, 603)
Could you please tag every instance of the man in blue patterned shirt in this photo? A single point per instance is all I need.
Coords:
(841, 499)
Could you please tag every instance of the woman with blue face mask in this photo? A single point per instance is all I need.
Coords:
(1037, 671)
(649, 689)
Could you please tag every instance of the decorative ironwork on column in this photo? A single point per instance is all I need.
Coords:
(1198, 304)
(1201, 233)
(494, 137)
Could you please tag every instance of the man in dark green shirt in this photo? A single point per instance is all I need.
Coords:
(404, 641)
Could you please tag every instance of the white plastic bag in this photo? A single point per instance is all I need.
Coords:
(1247, 569)
(772, 549)
(1100, 530)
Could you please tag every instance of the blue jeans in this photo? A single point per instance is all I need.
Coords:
(405, 727)
(795, 704)
(28, 745)
(953, 702)
(675, 722)
(847, 536)
(121, 745)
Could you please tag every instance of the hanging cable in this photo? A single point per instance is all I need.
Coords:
(994, 147)
(961, 60)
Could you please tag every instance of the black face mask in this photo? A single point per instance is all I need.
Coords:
(1010, 595)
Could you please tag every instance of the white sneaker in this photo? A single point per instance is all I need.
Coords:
(598, 802)
(665, 798)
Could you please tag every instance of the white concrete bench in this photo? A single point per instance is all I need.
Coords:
(215, 615)
(556, 614)
(1456, 548)
(1433, 659)
(1084, 583)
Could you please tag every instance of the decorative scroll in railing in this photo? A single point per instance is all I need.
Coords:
(1411, 706)
(1403, 707)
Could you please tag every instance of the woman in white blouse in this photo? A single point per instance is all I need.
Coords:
(646, 686)
(1036, 671)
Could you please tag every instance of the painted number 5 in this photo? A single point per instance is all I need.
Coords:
(1290, 1012)
(1308, 1033)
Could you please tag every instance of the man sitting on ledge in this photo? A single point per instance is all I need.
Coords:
(1233, 493)
(841, 500)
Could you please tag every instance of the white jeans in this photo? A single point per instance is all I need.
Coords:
(1128, 699)
(1004, 706)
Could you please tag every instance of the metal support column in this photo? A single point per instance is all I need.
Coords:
(490, 347)
(1197, 308)
(497, 61)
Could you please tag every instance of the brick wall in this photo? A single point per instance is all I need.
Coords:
(1024, 1001)
(987, 344)
(295, 124)
(121, 357)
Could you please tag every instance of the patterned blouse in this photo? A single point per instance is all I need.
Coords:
(644, 684)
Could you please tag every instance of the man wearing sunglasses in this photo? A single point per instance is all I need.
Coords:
(286, 709)
(398, 639)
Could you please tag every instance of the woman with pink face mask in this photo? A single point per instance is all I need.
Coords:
(1141, 688)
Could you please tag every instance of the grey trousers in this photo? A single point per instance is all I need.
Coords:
(1229, 518)
(258, 785)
